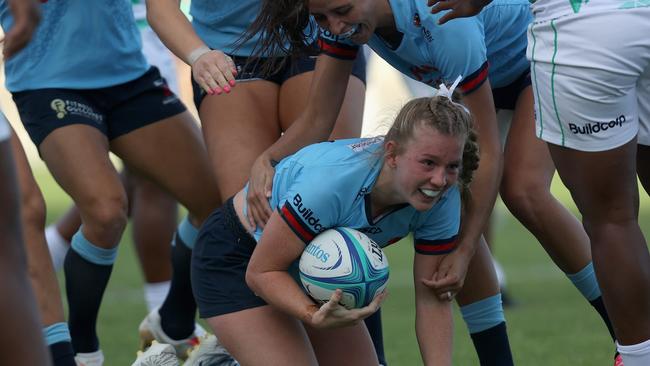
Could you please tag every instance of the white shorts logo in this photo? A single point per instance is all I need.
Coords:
(596, 127)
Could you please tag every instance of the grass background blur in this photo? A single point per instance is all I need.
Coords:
(550, 324)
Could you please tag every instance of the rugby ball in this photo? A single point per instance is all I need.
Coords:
(346, 259)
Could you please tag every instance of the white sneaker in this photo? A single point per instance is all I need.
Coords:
(157, 355)
(90, 359)
(150, 330)
(210, 352)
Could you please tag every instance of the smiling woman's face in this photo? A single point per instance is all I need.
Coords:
(426, 167)
(353, 19)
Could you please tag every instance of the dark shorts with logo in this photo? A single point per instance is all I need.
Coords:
(290, 69)
(114, 110)
(219, 260)
(506, 96)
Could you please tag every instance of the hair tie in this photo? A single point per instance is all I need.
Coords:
(443, 91)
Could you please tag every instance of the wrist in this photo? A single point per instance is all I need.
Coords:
(308, 314)
(196, 53)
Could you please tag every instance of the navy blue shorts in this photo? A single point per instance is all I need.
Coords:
(219, 260)
(290, 69)
(114, 110)
(506, 96)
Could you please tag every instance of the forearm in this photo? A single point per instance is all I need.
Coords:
(279, 289)
(315, 124)
(434, 328)
(485, 184)
(484, 189)
(173, 28)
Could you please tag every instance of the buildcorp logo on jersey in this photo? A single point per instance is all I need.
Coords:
(597, 127)
(307, 214)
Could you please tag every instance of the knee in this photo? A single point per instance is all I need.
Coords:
(107, 214)
(524, 197)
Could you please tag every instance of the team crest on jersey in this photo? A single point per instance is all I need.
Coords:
(360, 146)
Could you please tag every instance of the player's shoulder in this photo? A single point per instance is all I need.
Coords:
(345, 152)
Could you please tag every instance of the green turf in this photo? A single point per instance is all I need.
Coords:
(550, 325)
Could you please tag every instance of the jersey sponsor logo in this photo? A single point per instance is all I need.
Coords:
(362, 145)
(597, 127)
(64, 107)
(307, 214)
(416, 20)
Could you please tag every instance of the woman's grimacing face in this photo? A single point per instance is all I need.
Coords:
(353, 19)
(427, 166)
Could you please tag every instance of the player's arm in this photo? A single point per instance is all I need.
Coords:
(267, 276)
(213, 70)
(433, 318)
(315, 124)
(486, 180)
(26, 16)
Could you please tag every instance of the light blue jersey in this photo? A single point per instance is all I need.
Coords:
(221, 24)
(433, 54)
(328, 185)
(79, 44)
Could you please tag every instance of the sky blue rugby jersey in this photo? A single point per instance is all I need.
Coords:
(327, 185)
(79, 44)
(434, 54)
(220, 24)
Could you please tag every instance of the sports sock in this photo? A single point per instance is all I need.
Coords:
(635, 354)
(57, 338)
(487, 327)
(87, 270)
(178, 311)
(57, 245)
(585, 281)
(373, 323)
(155, 293)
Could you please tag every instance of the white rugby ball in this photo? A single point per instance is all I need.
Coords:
(346, 259)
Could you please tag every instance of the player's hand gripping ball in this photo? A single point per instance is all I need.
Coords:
(345, 259)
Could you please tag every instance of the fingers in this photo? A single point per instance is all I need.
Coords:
(334, 301)
(215, 72)
(440, 5)
(259, 210)
(447, 296)
(447, 17)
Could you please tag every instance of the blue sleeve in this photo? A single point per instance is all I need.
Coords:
(458, 48)
(336, 46)
(437, 232)
(308, 206)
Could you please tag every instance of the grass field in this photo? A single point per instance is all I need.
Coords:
(551, 323)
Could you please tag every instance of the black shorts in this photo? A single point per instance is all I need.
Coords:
(219, 260)
(290, 69)
(506, 96)
(114, 110)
